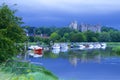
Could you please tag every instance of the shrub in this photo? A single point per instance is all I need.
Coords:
(116, 50)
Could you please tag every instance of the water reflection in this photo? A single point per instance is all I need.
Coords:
(98, 58)
(80, 64)
(56, 51)
(64, 50)
(86, 56)
(73, 60)
(83, 56)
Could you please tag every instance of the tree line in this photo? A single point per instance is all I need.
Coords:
(65, 34)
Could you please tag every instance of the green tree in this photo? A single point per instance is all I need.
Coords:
(81, 37)
(66, 35)
(63, 39)
(54, 36)
(78, 37)
(115, 36)
(72, 37)
(62, 31)
(91, 36)
(107, 29)
(31, 38)
(104, 37)
(10, 32)
(37, 39)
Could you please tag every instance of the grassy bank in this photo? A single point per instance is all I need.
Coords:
(116, 50)
(6, 76)
(15, 70)
(113, 44)
(29, 76)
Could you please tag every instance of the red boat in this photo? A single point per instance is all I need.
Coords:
(38, 51)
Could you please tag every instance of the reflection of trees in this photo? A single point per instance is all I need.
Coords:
(56, 51)
(87, 56)
(98, 58)
(90, 55)
(52, 55)
(83, 56)
(73, 60)
(116, 50)
(48, 54)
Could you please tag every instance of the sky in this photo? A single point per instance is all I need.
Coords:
(63, 12)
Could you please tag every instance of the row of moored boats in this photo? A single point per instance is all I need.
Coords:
(37, 51)
(80, 46)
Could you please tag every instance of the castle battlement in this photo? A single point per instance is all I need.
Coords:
(85, 27)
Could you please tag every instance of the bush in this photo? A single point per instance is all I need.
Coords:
(116, 50)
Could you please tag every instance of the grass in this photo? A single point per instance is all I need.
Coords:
(29, 76)
(5, 76)
(33, 76)
(113, 44)
(14, 70)
(116, 49)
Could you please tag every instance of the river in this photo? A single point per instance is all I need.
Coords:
(75, 64)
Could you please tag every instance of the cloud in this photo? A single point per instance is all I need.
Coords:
(69, 6)
(38, 12)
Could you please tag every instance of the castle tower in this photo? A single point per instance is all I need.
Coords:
(74, 25)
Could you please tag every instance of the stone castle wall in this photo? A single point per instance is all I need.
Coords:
(85, 27)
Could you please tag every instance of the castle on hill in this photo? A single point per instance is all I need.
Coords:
(85, 27)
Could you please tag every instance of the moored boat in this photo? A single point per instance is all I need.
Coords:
(81, 47)
(56, 51)
(90, 46)
(64, 46)
(97, 46)
(36, 51)
(56, 46)
(103, 45)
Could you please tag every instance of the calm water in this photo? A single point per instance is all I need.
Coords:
(75, 64)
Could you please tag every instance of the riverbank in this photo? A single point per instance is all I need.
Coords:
(113, 44)
(14, 70)
(5, 76)
(29, 76)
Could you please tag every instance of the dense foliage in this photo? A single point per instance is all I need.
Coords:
(10, 32)
(66, 34)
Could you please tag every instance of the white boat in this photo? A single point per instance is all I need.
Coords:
(97, 46)
(36, 55)
(63, 50)
(81, 47)
(56, 50)
(90, 46)
(103, 45)
(56, 46)
(32, 47)
(64, 46)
